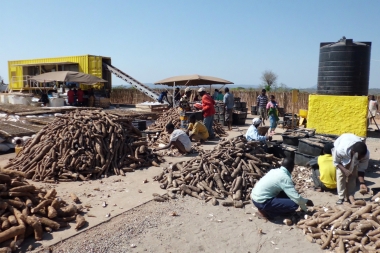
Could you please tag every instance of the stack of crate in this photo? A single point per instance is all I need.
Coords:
(220, 113)
(102, 102)
(240, 112)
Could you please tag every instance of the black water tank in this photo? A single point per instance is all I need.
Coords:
(344, 68)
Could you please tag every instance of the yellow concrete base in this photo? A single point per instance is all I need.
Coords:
(338, 114)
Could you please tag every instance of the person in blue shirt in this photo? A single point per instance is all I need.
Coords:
(228, 101)
(163, 95)
(252, 133)
(275, 195)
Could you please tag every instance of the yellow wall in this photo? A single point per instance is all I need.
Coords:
(338, 114)
(88, 64)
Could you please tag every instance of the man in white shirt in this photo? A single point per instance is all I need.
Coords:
(350, 157)
(252, 133)
(178, 139)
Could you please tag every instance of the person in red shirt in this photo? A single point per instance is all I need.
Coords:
(70, 96)
(208, 110)
(80, 96)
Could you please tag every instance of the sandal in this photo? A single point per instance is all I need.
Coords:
(340, 201)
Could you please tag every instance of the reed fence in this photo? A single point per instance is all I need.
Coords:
(284, 99)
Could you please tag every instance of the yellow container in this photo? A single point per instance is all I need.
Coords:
(18, 149)
(303, 113)
(90, 64)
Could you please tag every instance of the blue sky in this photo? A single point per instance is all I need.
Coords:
(153, 40)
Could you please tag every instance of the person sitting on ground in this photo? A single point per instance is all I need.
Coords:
(350, 157)
(323, 170)
(197, 131)
(275, 194)
(252, 133)
(178, 139)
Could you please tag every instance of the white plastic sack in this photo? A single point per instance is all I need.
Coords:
(57, 114)
(26, 138)
(15, 139)
(31, 116)
(4, 147)
(3, 115)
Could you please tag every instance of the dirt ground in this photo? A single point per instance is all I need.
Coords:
(137, 224)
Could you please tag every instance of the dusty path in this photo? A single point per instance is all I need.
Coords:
(199, 227)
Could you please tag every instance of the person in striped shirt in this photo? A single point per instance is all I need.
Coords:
(262, 101)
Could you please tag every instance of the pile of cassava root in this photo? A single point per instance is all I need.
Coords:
(172, 116)
(353, 227)
(228, 173)
(302, 178)
(81, 145)
(26, 210)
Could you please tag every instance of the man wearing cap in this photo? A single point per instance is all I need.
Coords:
(228, 101)
(184, 107)
(208, 111)
(252, 133)
(262, 101)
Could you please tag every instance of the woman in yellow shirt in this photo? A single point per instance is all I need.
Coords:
(196, 130)
(323, 170)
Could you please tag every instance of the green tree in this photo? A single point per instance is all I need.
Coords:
(269, 80)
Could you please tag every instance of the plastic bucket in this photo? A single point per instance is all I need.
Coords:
(303, 113)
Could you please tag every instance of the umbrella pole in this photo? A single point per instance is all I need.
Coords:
(173, 97)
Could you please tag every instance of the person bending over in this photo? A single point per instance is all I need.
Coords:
(350, 157)
(323, 170)
(178, 139)
(275, 194)
(197, 131)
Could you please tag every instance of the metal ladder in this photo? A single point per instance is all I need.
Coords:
(141, 87)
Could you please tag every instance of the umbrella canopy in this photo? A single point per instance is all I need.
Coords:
(192, 80)
(68, 76)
